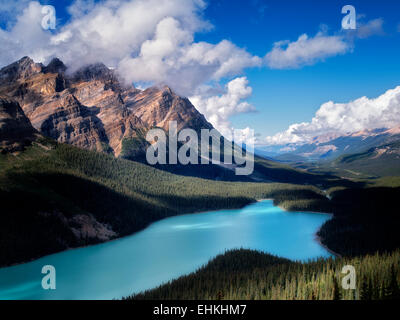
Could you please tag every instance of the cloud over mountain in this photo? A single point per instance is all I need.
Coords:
(360, 114)
(219, 108)
(153, 42)
(147, 41)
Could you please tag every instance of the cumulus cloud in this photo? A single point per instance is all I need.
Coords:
(308, 50)
(145, 40)
(219, 108)
(152, 42)
(115, 30)
(172, 57)
(341, 118)
(26, 37)
(305, 51)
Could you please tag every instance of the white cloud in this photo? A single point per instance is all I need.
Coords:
(116, 30)
(247, 137)
(80, 8)
(341, 118)
(152, 41)
(172, 57)
(26, 37)
(305, 51)
(145, 40)
(9, 9)
(371, 28)
(219, 108)
(308, 50)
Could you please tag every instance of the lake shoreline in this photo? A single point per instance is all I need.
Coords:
(163, 238)
(317, 238)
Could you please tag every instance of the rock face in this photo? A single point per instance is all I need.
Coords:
(157, 106)
(16, 131)
(91, 108)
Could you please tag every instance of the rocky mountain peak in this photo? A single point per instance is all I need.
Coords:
(55, 66)
(90, 108)
(96, 71)
(167, 90)
(21, 69)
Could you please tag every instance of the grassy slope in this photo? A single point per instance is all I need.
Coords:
(44, 187)
(245, 274)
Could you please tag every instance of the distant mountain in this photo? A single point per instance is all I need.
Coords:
(331, 146)
(367, 153)
(91, 108)
(383, 160)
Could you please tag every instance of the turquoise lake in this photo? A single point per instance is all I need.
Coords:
(166, 250)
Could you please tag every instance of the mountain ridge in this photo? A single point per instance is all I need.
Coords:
(332, 145)
(91, 108)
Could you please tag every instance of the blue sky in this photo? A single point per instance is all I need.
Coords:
(283, 97)
(369, 66)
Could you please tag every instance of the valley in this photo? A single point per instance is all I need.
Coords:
(166, 250)
(73, 174)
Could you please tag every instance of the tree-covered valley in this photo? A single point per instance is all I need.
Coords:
(73, 174)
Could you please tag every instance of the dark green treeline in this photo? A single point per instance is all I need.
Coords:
(245, 274)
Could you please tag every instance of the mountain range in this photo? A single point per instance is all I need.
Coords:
(332, 146)
(70, 146)
(91, 108)
(68, 177)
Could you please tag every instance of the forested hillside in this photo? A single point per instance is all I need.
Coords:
(56, 196)
(245, 274)
(383, 160)
(365, 220)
